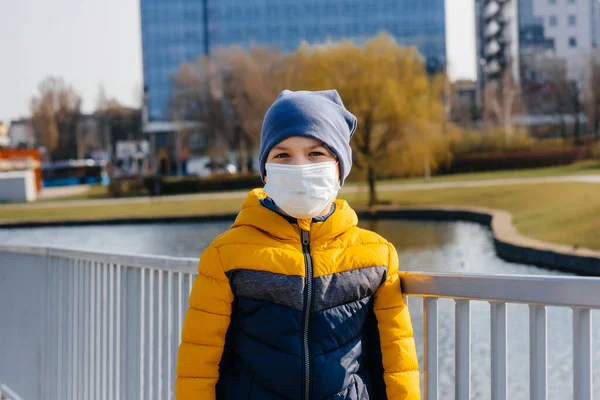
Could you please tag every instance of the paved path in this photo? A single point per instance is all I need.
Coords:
(382, 187)
(63, 191)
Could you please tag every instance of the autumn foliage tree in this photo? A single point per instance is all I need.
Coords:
(399, 110)
(229, 93)
(55, 114)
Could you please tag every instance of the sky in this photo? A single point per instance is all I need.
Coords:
(96, 43)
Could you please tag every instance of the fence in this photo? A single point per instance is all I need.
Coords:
(84, 325)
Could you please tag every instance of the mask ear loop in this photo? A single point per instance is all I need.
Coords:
(337, 161)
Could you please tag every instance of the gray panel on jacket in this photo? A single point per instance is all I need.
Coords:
(346, 287)
(285, 290)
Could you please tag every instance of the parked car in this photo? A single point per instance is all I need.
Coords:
(204, 167)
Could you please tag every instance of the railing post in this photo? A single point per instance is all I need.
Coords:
(98, 349)
(159, 361)
(430, 333)
(111, 331)
(538, 336)
(60, 333)
(87, 329)
(498, 346)
(180, 310)
(105, 267)
(170, 335)
(75, 343)
(118, 336)
(463, 350)
(582, 354)
(142, 329)
(151, 336)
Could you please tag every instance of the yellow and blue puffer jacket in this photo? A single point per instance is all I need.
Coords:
(306, 309)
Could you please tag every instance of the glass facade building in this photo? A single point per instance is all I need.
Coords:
(177, 31)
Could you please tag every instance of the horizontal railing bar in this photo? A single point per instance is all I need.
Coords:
(567, 291)
(562, 291)
(178, 264)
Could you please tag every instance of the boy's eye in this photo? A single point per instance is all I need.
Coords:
(316, 154)
(282, 155)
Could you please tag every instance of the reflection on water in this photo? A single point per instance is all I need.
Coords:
(422, 246)
(413, 235)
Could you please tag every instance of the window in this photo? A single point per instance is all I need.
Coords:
(272, 11)
(553, 21)
(572, 42)
(572, 20)
(571, 1)
(552, 2)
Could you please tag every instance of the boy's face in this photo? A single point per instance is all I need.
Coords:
(298, 150)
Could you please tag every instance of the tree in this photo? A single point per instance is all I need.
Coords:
(548, 90)
(197, 95)
(228, 92)
(502, 103)
(116, 122)
(592, 97)
(55, 114)
(250, 89)
(399, 111)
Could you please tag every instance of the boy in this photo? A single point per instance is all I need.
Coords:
(295, 301)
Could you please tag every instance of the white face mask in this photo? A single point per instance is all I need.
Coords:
(302, 191)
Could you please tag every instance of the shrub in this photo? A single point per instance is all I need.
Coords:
(517, 160)
(492, 141)
(167, 185)
(183, 185)
(596, 151)
(127, 187)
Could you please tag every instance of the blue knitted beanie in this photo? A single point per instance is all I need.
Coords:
(319, 115)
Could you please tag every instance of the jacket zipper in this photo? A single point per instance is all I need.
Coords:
(307, 309)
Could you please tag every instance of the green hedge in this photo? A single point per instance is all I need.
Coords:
(159, 186)
(517, 160)
(173, 185)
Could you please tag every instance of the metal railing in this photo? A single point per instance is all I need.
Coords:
(580, 294)
(85, 325)
(7, 393)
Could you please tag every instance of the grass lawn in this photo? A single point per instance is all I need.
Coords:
(567, 213)
(587, 167)
(94, 192)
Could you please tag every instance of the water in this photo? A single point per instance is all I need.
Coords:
(430, 247)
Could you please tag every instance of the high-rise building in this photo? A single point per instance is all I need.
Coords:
(177, 31)
(496, 39)
(566, 30)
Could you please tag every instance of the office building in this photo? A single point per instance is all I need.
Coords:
(179, 30)
(564, 29)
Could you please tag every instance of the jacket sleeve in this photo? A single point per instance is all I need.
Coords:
(204, 330)
(398, 351)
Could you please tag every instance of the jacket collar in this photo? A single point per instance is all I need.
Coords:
(255, 214)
